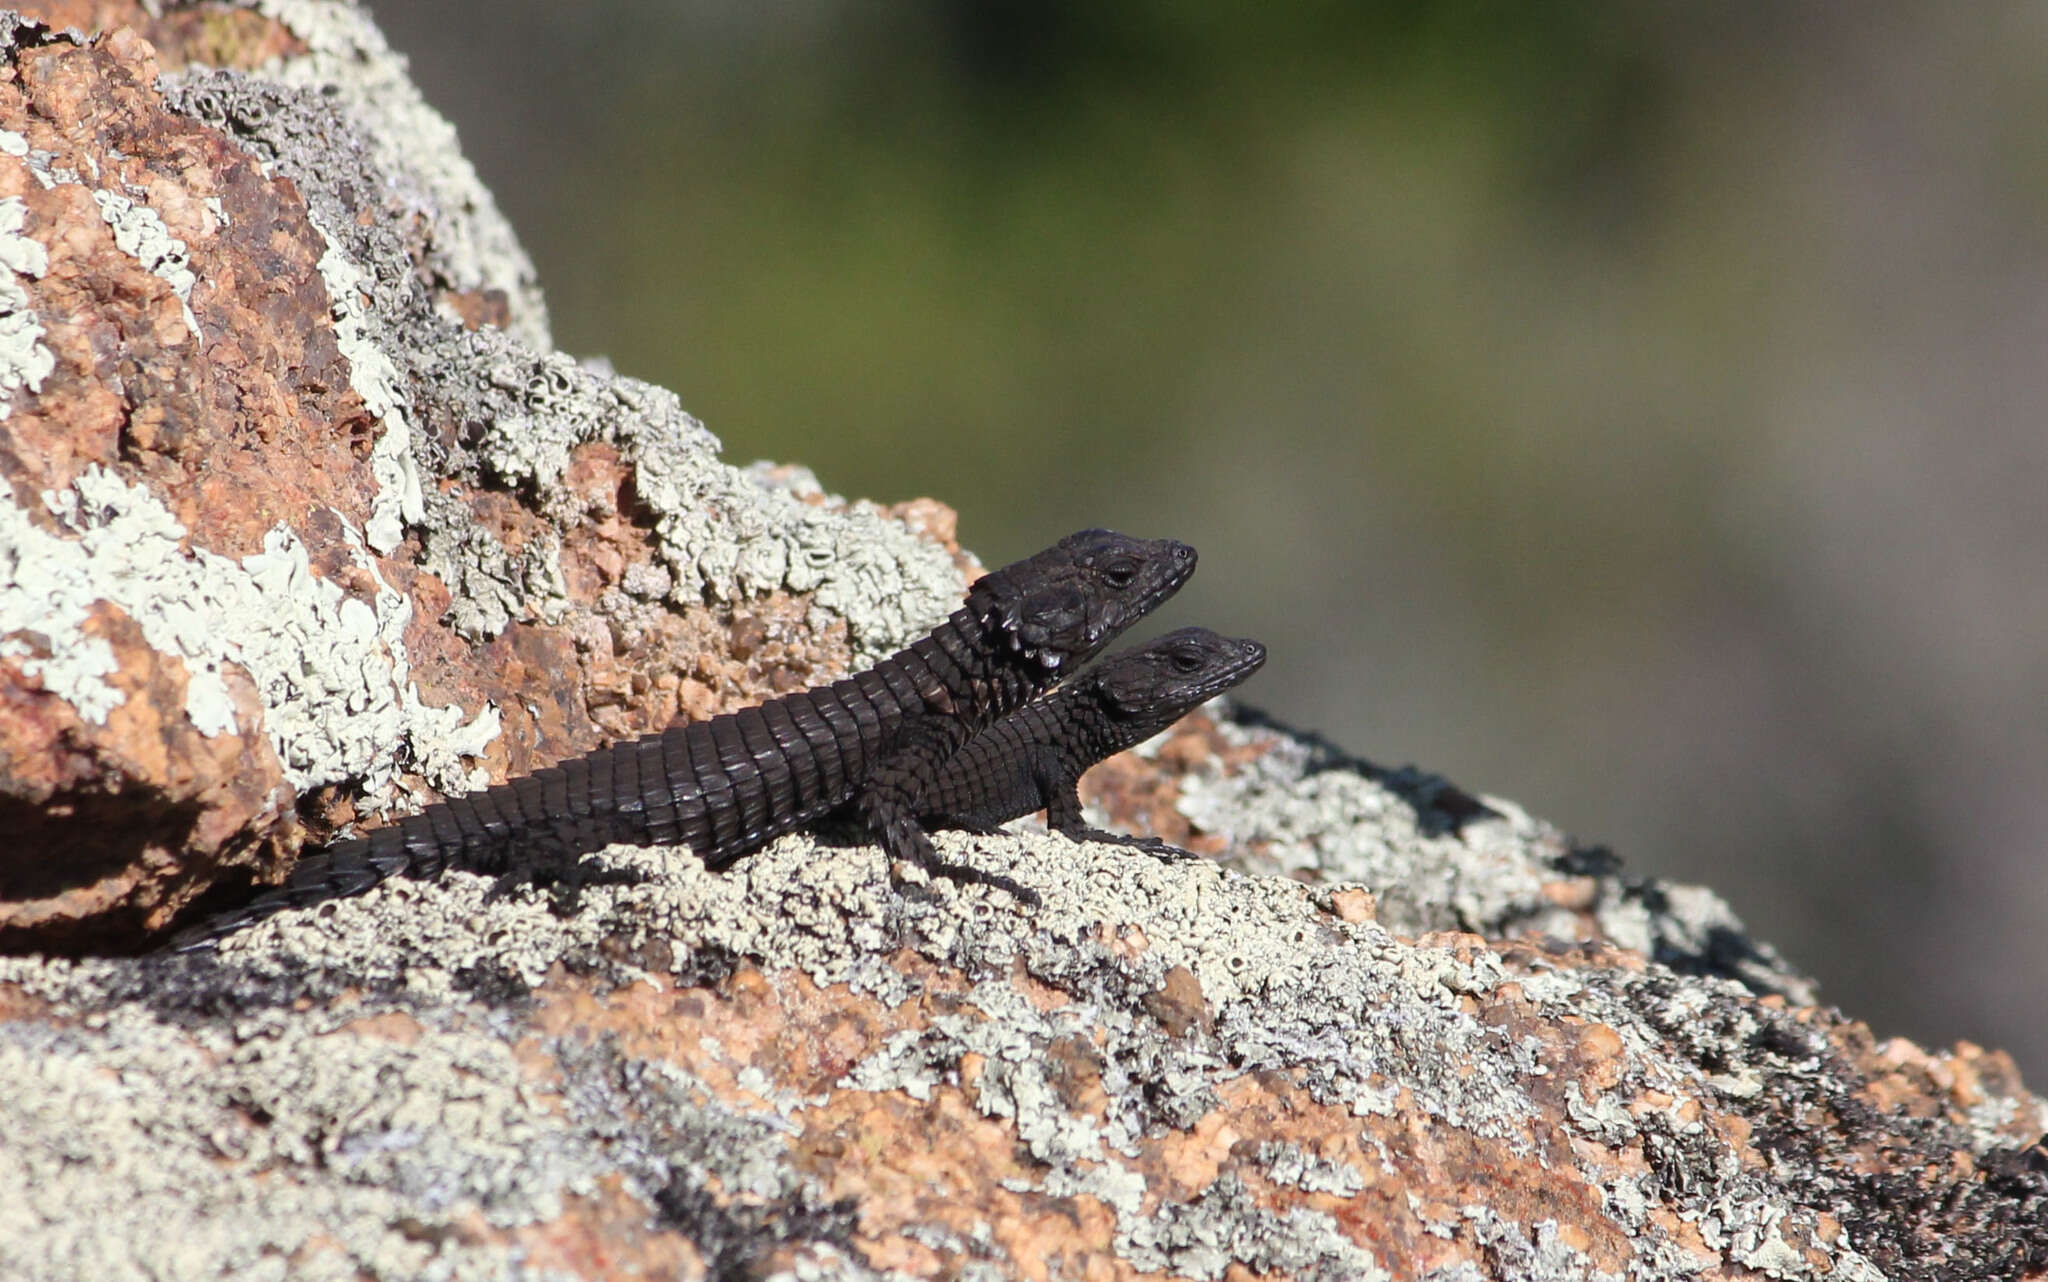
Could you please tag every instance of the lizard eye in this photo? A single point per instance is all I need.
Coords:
(1186, 661)
(1120, 574)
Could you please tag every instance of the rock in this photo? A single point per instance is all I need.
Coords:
(284, 515)
(308, 522)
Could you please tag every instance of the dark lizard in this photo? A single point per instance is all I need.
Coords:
(729, 785)
(1033, 758)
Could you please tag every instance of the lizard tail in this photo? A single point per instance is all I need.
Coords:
(345, 868)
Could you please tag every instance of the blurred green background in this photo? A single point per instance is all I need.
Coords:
(1632, 409)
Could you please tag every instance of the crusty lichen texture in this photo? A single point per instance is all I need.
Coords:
(306, 520)
(1168, 1069)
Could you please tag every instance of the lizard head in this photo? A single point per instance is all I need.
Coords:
(1158, 683)
(1056, 610)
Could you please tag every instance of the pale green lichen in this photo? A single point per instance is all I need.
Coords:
(140, 233)
(329, 669)
(376, 379)
(25, 361)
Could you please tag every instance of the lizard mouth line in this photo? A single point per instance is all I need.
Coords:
(1233, 675)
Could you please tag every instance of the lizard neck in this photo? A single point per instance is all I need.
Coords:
(976, 667)
(1089, 726)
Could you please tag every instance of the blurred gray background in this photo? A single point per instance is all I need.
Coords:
(1632, 409)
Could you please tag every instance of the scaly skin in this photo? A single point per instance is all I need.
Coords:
(1034, 758)
(727, 786)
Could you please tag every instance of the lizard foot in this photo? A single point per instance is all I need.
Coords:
(1152, 846)
(967, 876)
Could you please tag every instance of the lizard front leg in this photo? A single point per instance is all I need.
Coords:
(889, 809)
(1063, 816)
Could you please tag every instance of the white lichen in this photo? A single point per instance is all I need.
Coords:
(24, 359)
(376, 379)
(330, 670)
(346, 57)
(140, 233)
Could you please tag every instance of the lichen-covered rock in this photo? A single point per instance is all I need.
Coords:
(282, 514)
(305, 519)
(1166, 1069)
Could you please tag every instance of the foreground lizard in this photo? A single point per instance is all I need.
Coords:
(1033, 758)
(729, 785)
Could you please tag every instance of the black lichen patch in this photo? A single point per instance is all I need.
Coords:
(706, 966)
(1890, 1177)
(1905, 1202)
(736, 1238)
(499, 986)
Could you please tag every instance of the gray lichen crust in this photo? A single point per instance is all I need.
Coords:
(414, 147)
(1441, 860)
(397, 1066)
(722, 532)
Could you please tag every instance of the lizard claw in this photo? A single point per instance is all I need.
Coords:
(966, 876)
(1150, 845)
